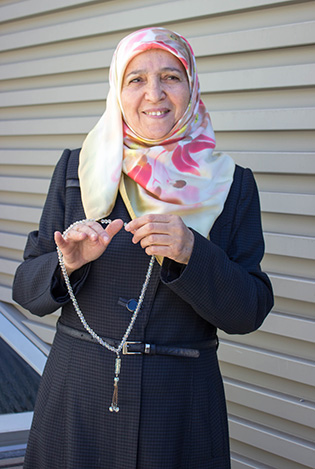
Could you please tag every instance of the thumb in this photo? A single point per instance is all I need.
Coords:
(59, 240)
(113, 228)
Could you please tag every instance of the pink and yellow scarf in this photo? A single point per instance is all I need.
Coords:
(178, 174)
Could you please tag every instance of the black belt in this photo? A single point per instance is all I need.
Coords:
(132, 348)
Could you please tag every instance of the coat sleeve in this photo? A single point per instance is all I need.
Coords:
(38, 285)
(226, 286)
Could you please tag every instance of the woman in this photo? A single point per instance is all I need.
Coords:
(132, 380)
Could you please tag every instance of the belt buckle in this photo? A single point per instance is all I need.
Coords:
(125, 350)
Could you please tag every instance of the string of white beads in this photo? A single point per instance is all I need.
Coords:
(76, 305)
(114, 405)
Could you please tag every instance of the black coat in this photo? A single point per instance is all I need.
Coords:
(172, 409)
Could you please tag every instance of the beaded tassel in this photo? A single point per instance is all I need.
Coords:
(114, 405)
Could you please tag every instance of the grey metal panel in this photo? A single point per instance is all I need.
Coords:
(12, 184)
(278, 443)
(271, 119)
(274, 403)
(131, 18)
(254, 39)
(35, 157)
(277, 162)
(269, 77)
(290, 326)
(264, 119)
(5, 294)
(301, 204)
(20, 213)
(33, 7)
(266, 361)
(289, 245)
(295, 288)
(12, 240)
(211, 44)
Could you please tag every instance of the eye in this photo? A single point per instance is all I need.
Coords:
(171, 78)
(135, 80)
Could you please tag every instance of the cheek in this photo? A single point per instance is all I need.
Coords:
(183, 101)
(128, 103)
(124, 101)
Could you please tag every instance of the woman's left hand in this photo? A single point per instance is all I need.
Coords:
(163, 235)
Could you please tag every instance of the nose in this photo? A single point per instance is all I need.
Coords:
(154, 91)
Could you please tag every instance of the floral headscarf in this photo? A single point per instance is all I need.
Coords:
(177, 174)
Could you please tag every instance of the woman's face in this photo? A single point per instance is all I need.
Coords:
(155, 93)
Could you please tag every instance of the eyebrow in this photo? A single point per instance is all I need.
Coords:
(165, 69)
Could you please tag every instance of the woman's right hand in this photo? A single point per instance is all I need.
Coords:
(85, 243)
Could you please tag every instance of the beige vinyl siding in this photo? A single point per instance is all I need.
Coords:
(257, 73)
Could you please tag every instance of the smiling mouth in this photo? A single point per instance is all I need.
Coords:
(155, 113)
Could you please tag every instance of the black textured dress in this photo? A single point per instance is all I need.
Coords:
(172, 409)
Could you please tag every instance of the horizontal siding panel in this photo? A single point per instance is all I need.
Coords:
(6, 294)
(293, 288)
(240, 462)
(281, 444)
(53, 65)
(26, 157)
(290, 267)
(270, 119)
(8, 266)
(266, 361)
(28, 185)
(290, 245)
(276, 343)
(275, 403)
(298, 183)
(60, 94)
(299, 204)
(254, 39)
(272, 140)
(20, 213)
(44, 331)
(276, 162)
(295, 327)
(259, 162)
(33, 7)
(295, 225)
(262, 78)
(212, 44)
(55, 126)
(264, 119)
(127, 19)
(12, 240)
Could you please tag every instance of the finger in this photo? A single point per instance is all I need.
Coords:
(150, 228)
(92, 229)
(157, 250)
(112, 229)
(177, 248)
(137, 223)
(155, 240)
(73, 236)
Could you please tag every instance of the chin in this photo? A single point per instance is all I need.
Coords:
(155, 135)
